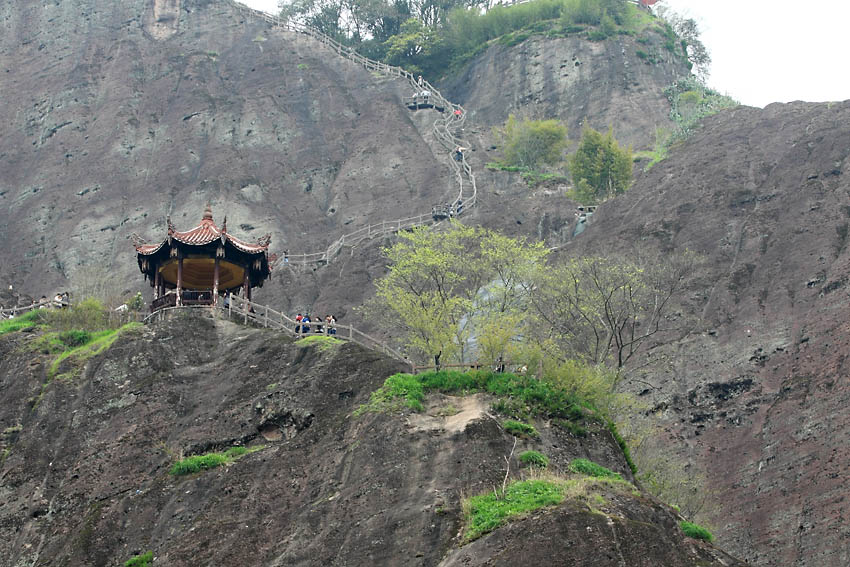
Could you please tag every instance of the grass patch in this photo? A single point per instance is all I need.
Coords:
(487, 512)
(398, 392)
(28, 320)
(589, 468)
(143, 560)
(197, 463)
(534, 459)
(519, 428)
(696, 531)
(323, 342)
(521, 397)
(95, 344)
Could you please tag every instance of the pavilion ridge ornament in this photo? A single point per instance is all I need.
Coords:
(198, 266)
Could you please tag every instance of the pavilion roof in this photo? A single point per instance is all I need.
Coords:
(203, 234)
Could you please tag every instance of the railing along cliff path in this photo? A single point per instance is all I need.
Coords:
(264, 316)
(449, 121)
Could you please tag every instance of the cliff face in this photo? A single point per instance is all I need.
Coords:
(120, 114)
(756, 393)
(581, 82)
(85, 478)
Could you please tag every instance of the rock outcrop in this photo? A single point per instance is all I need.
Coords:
(85, 479)
(756, 392)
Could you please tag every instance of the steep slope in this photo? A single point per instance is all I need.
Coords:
(86, 480)
(581, 82)
(756, 394)
(120, 114)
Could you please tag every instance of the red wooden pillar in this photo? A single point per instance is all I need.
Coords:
(215, 281)
(179, 279)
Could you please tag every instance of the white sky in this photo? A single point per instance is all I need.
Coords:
(765, 51)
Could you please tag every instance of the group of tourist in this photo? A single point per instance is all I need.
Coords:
(59, 301)
(303, 324)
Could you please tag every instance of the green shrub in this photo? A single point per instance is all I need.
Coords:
(399, 391)
(234, 452)
(534, 459)
(696, 531)
(88, 315)
(519, 428)
(529, 143)
(143, 560)
(75, 337)
(487, 512)
(589, 468)
(600, 168)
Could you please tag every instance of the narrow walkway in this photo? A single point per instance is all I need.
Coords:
(242, 310)
(448, 122)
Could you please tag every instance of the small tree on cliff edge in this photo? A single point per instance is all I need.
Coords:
(600, 167)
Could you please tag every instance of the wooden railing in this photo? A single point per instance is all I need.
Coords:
(450, 120)
(263, 315)
(241, 310)
(15, 311)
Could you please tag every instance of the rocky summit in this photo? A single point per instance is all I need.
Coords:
(121, 117)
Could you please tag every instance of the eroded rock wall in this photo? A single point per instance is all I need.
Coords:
(756, 391)
(85, 473)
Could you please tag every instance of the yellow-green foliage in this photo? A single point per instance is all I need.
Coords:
(432, 289)
(530, 143)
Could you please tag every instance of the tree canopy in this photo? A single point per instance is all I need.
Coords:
(468, 293)
(600, 168)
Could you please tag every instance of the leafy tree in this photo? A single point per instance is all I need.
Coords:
(530, 143)
(414, 47)
(602, 310)
(688, 32)
(443, 286)
(600, 167)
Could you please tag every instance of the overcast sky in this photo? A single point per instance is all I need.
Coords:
(765, 51)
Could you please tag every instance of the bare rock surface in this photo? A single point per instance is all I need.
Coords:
(118, 115)
(85, 480)
(756, 392)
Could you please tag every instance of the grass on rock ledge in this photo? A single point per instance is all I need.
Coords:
(520, 396)
(322, 342)
(197, 463)
(486, 512)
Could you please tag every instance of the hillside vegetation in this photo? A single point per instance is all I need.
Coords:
(435, 39)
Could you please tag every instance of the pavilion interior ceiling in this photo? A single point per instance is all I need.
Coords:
(198, 273)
